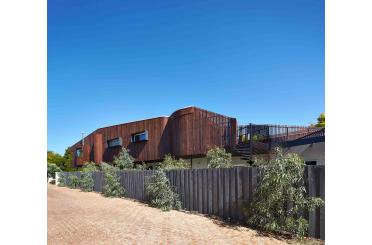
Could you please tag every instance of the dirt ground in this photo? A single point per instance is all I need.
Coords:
(76, 217)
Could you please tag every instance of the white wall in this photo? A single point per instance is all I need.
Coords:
(310, 152)
(57, 178)
(198, 162)
(202, 162)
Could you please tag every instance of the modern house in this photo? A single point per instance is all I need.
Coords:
(190, 132)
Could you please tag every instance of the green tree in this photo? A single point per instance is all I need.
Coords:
(170, 162)
(112, 187)
(124, 160)
(63, 162)
(160, 192)
(52, 169)
(57, 159)
(321, 120)
(281, 184)
(68, 157)
(219, 158)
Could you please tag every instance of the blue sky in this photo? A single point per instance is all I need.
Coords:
(115, 61)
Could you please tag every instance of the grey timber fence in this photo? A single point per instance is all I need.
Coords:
(220, 192)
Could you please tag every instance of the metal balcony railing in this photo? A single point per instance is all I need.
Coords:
(274, 134)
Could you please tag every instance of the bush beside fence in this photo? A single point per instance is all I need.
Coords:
(222, 192)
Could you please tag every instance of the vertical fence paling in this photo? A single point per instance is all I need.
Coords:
(221, 192)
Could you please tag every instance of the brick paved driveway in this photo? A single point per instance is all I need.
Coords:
(75, 217)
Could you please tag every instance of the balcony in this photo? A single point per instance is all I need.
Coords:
(259, 139)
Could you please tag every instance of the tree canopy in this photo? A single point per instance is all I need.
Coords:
(68, 160)
(321, 120)
(63, 162)
(57, 159)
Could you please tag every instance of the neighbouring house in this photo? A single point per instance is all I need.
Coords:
(190, 132)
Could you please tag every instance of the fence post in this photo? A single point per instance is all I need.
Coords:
(250, 141)
(57, 178)
(311, 193)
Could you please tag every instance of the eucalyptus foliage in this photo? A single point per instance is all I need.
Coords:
(62, 179)
(86, 180)
(141, 166)
(112, 187)
(73, 181)
(219, 158)
(90, 167)
(280, 199)
(52, 169)
(160, 192)
(258, 137)
(124, 160)
(170, 162)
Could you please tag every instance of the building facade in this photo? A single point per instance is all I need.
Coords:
(190, 132)
(187, 133)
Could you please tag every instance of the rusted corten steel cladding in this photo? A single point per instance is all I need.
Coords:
(187, 133)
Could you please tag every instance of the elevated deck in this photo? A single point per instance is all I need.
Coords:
(255, 139)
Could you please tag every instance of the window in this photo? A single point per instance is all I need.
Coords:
(114, 142)
(310, 162)
(79, 152)
(142, 136)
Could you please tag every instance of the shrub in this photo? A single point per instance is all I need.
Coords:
(87, 181)
(112, 187)
(258, 137)
(105, 167)
(89, 167)
(281, 184)
(62, 179)
(73, 181)
(123, 160)
(160, 193)
(170, 162)
(141, 166)
(52, 169)
(218, 158)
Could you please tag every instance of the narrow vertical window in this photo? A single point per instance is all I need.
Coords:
(79, 152)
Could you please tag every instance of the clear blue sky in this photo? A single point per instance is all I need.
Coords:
(111, 62)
